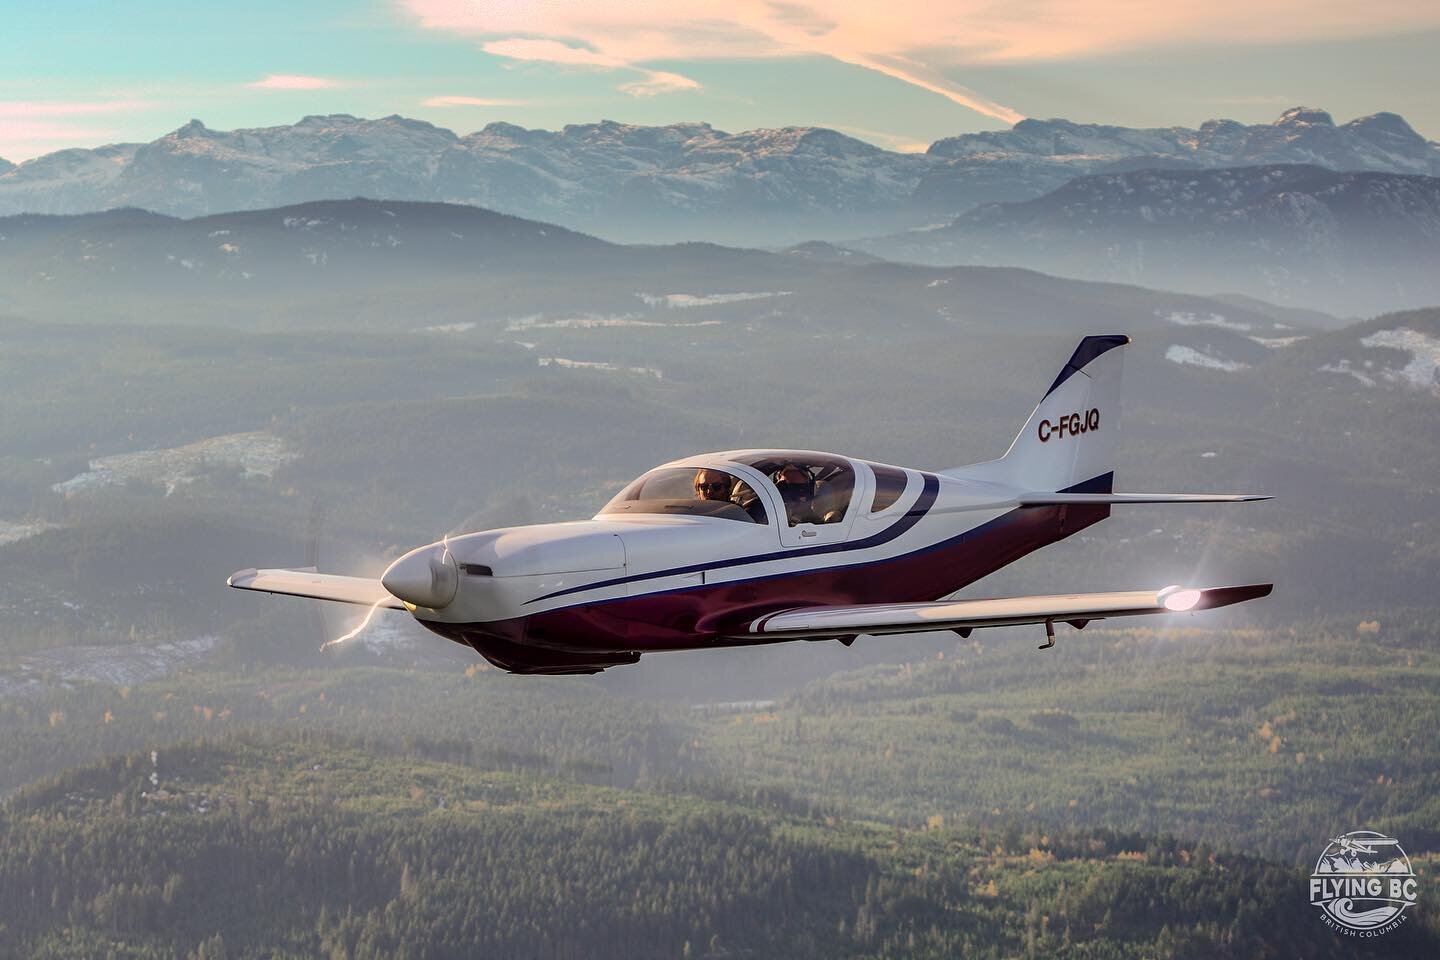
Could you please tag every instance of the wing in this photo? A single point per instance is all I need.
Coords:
(1077, 608)
(1041, 499)
(1037, 499)
(318, 586)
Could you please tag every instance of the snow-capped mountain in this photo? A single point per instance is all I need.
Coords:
(1293, 234)
(1037, 156)
(682, 181)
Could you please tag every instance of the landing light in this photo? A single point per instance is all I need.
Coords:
(1179, 599)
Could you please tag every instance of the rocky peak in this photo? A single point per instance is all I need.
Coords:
(1306, 117)
(1384, 126)
(193, 129)
(329, 120)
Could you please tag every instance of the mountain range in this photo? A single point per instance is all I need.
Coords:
(683, 181)
(364, 263)
(1297, 234)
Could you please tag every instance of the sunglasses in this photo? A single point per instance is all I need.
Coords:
(716, 485)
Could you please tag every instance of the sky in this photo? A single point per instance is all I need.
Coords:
(899, 74)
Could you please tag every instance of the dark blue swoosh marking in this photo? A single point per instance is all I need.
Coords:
(956, 540)
(1104, 483)
(1089, 349)
(922, 505)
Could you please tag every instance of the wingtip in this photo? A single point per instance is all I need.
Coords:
(1225, 596)
(241, 578)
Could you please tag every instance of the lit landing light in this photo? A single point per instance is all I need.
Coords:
(1179, 599)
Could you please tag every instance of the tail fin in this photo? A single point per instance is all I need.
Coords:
(1068, 444)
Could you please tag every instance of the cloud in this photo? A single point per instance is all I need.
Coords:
(915, 41)
(292, 81)
(42, 109)
(890, 141)
(651, 83)
(463, 101)
(658, 81)
(30, 128)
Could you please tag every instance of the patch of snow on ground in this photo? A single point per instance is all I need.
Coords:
(684, 301)
(119, 665)
(1208, 455)
(1344, 367)
(592, 321)
(12, 531)
(1189, 355)
(1275, 343)
(598, 365)
(257, 453)
(1423, 370)
(1185, 318)
(449, 327)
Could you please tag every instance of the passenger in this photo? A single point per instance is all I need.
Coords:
(797, 490)
(712, 485)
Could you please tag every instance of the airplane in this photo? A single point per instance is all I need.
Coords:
(747, 547)
(1362, 844)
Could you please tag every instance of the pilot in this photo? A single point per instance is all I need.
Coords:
(712, 485)
(797, 490)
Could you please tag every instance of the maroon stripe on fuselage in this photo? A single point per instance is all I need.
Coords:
(702, 616)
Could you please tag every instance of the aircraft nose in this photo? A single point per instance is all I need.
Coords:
(426, 577)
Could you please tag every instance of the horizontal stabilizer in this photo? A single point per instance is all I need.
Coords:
(886, 618)
(317, 586)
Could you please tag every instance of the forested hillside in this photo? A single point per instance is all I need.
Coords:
(311, 848)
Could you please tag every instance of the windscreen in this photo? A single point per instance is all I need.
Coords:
(691, 491)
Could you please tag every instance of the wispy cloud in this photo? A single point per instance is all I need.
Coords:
(292, 81)
(462, 101)
(890, 141)
(919, 42)
(651, 82)
(658, 81)
(45, 109)
(29, 128)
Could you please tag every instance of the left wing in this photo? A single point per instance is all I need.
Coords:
(317, 586)
(1077, 609)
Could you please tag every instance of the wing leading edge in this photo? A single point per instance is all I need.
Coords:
(1078, 608)
(317, 586)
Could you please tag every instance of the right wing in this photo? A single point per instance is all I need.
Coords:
(1039, 499)
(877, 619)
(317, 586)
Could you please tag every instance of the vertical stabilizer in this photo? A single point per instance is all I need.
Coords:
(1069, 442)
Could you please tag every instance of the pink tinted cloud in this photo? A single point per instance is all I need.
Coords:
(23, 109)
(651, 82)
(915, 41)
(292, 81)
(30, 128)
